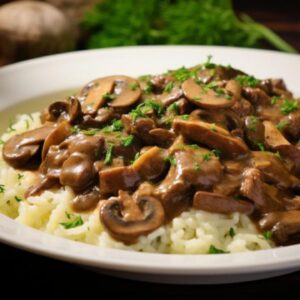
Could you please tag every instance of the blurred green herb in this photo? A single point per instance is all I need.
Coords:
(210, 22)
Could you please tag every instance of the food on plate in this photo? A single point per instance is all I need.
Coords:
(196, 160)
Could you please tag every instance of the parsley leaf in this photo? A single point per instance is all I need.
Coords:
(75, 221)
(246, 80)
(171, 159)
(128, 140)
(133, 86)
(231, 232)
(116, 125)
(169, 87)
(282, 125)
(109, 96)
(108, 154)
(267, 235)
(2, 188)
(18, 199)
(289, 106)
(214, 250)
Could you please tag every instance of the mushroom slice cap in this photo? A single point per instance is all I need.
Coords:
(151, 164)
(94, 94)
(221, 204)
(119, 178)
(77, 171)
(212, 136)
(56, 136)
(69, 111)
(126, 91)
(148, 215)
(209, 98)
(19, 149)
(284, 224)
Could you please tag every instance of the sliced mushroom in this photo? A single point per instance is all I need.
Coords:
(218, 203)
(94, 93)
(58, 135)
(198, 167)
(255, 131)
(256, 96)
(87, 200)
(174, 194)
(21, 148)
(63, 110)
(126, 219)
(151, 164)
(284, 225)
(77, 171)
(274, 170)
(122, 91)
(120, 178)
(266, 197)
(212, 136)
(162, 137)
(276, 141)
(208, 97)
(292, 125)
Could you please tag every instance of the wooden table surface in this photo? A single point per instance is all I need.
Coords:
(55, 278)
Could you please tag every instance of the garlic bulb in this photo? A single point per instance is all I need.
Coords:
(30, 29)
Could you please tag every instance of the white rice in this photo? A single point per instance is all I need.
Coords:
(193, 232)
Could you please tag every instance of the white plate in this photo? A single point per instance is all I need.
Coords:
(60, 72)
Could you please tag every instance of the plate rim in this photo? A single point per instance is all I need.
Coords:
(271, 259)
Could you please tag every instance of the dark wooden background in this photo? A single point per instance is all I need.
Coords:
(27, 274)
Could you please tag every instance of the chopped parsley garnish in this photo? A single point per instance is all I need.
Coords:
(128, 140)
(231, 232)
(252, 123)
(169, 87)
(278, 155)
(148, 88)
(274, 99)
(90, 132)
(145, 107)
(193, 146)
(261, 146)
(184, 117)
(183, 74)
(109, 96)
(2, 188)
(197, 167)
(75, 221)
(10, 126)
(213, 127)
(18, 199)
(20, 176)
(116, 125)
(267, 235)
(108, 154)
(174, 107)
(246, 80)
(2, 142)
(136, 156)
(214, 250)
(27, 124)
(145, 77)
(133, 86)
(289, 106)
(207, 156)
(208, 64)
(282, 125)
(171, 159)
(216, 152)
